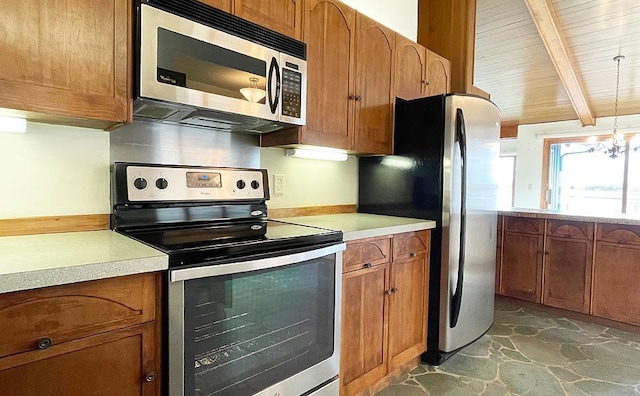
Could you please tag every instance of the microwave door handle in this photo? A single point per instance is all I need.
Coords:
(274, 97)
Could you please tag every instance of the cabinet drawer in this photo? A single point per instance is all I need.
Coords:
(523, 225)
(410, 244)
(570, 229)
(63, 313)
(365, 253)
(619, 233)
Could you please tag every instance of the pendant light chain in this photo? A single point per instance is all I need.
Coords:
(615, 111)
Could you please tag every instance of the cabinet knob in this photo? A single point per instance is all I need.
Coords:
(413, 254)
(425, 82)
(546, 253)
(44, 343)
(358, 98)
(151, 375)
(620, 240)
(352, 97)
(388, 292)
(539, 252)
(393, 290)
(367, 265)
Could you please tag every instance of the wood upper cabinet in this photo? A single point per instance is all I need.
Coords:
(374, 93)
(411, 69)
(282, 16)
(439, 72)
(522, 255)
(90, 338)
(67, 61)
(567, 265)
(350, 92)
(384, 308)
(617, 273)
(224, 5)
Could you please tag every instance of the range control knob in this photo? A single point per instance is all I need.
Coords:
(255, 184)
(162, 183)
(241, 184)
(140, 183)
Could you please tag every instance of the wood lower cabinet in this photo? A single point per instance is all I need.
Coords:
(384, 304)
(67, 62)
(616, 290)
(522, 254)
(499, 236)
(567, 265)
(90, 338)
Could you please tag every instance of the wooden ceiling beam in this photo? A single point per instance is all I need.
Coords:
(544, 17)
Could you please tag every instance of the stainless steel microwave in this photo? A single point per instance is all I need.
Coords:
(200, 66)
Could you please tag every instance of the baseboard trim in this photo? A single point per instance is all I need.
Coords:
(53, 224)
(279, 213)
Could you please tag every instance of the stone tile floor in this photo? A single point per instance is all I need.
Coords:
(532, 351)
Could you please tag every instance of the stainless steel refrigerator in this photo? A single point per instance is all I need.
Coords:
(446, 150)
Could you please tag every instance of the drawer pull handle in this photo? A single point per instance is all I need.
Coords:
(151, 375)
(44, 343)
(367, 265)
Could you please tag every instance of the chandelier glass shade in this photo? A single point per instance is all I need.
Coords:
(253, 93)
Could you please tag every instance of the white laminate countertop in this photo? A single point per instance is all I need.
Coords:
(362, 225)
(32, 261)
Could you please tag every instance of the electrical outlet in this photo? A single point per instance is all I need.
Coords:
(278, 184)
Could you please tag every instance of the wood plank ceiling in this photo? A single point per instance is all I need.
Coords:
(514, 66)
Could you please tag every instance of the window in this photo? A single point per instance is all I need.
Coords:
(579, 179)
(506, 173)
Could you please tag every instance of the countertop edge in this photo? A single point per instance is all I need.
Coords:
(80, 273)
(388, 230)
(544, 214)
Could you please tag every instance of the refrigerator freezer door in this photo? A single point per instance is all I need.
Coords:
(471, 150)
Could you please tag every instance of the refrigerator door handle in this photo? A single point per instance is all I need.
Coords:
(460, 139)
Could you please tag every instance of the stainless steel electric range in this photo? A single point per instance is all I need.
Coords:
(252, 304)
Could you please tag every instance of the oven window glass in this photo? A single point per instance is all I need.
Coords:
(246, 332)
(205, 67)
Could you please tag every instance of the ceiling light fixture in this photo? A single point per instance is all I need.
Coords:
(253, 93)
(316, 154)
(617, 144)
(13, 124)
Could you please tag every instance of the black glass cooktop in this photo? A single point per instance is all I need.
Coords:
(220, 242)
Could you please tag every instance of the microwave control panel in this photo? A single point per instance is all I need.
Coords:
(291, 93)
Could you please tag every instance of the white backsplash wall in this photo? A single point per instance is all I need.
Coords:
(310, 182)
(54, 170)
(399, 15)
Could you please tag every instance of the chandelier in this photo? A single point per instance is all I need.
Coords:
(617, 144)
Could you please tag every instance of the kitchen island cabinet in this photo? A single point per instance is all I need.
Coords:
(522, 253)
(67, 62)
(90, 338)
(384, 307)
(616, 281)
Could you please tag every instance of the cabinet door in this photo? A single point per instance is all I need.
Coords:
(224, 5)
(567, 265)
(407, 310)
(363, 338)
(329, 33)
(67, 61)
(616, 279)
(499, 254)
(374, 92)
(282, 16)
(410, 69)
(522, 266)
(117, 363)
(567, 273)
(438, 74)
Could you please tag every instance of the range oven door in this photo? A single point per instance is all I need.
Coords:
(195, 66)
(260, 327)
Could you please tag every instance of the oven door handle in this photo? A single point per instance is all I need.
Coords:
(180, 275)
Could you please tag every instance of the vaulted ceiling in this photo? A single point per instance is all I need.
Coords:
(552, 60)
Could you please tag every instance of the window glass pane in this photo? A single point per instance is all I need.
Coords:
(585, 182)
(506, 166)
(633, 194)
